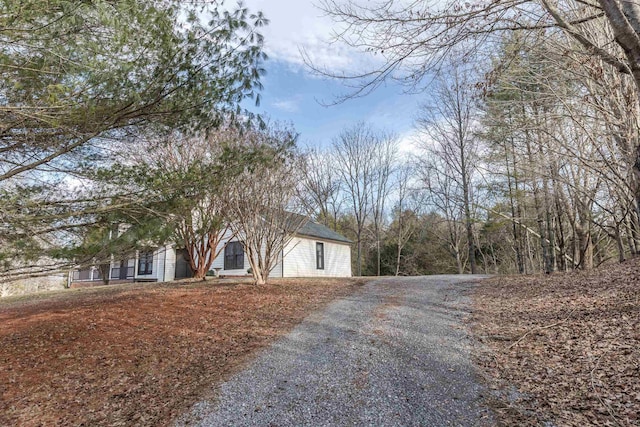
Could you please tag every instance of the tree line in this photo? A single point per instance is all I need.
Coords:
(523, 165)
(530, 152)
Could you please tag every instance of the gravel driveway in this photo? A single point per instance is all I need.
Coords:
(393, 354)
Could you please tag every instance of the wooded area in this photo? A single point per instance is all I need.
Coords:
(528, 155)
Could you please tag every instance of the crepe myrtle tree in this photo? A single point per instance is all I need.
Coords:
(79, 76)
(193, 174)
(186, 186)
(262, 200)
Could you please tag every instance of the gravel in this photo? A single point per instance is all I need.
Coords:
(393, 354)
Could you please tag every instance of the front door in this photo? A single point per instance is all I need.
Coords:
(183, 267)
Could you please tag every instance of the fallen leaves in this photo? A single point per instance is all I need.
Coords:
(139, 354)
(569, 343)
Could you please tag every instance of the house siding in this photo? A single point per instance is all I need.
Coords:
(276, 271)
(300, 259)
(170, 264)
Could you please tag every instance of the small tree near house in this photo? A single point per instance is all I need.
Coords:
(201, 231)
(263, 196)
(197, 173)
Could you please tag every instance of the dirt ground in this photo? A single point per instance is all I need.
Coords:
(139, 354)
(562, 349)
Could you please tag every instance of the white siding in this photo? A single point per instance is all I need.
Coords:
(159, 263)
(277, 270)
(300, 259)
(169, 265)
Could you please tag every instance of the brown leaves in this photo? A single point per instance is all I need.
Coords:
(138, 354)
(569, 342)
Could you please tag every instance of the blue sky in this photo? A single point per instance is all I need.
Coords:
(292, 94)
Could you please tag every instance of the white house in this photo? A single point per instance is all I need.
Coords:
(315, 251)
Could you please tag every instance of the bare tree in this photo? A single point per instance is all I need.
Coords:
(443, 194)
(385, 151)
(448, 126)
(356, 162)
(261, 201)
(321, 187)
(415, 38)
(407, 209)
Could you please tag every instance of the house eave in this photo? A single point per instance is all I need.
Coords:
(326, 239)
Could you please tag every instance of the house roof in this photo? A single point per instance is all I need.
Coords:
(313, 229)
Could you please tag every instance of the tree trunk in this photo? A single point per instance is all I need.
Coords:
(200, 272)
(105, 270)
(515, 229)
(629, 235)
(258, 272)
(467, 214)
(530, 254)
(398, 259)
(634, 230)
(259, 279)
(619, 243)
(524, 242)
(459, 261)
(378, 250)
(562, 245)
(551, 261)
(359, 244)
(585, 247)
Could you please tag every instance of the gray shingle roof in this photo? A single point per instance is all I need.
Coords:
(313, 229)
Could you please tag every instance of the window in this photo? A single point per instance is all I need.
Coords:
(84, 274)
(145, 263)
(123, 269)
(234, 256)
(320, 256)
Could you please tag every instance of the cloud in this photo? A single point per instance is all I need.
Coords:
(409, 144)
(298, 29)
(291, 105)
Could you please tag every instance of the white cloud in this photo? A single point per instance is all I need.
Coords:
(298, 26)
(291, 105)
(409, 144)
